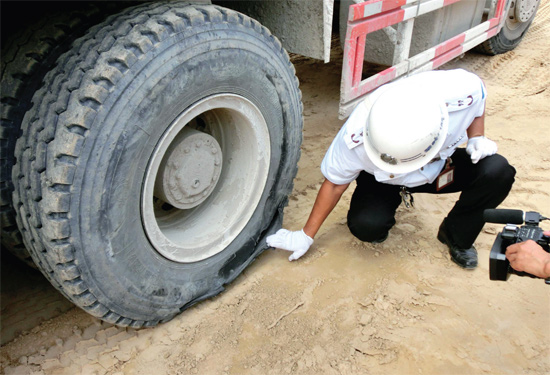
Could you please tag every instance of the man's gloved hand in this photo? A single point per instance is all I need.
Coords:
(480, 147)
(298, 242)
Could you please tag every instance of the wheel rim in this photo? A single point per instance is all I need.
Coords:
(519, 17)
(205, 178)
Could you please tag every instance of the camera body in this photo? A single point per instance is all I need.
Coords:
(499, 266)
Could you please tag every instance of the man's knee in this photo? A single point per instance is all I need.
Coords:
(498, 172)
(369, 229)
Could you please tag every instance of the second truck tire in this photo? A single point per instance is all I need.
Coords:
(29, 53)
(518, 20)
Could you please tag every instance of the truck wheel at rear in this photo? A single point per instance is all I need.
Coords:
(519, 18)
(157, 159)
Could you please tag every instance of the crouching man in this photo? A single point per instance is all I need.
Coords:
(400, 140)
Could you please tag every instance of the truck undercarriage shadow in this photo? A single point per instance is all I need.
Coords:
(27, 298)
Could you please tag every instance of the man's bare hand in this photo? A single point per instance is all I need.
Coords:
(529, 257)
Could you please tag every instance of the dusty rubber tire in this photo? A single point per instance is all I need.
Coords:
(509, 36)
(89, 139)
(26, 58)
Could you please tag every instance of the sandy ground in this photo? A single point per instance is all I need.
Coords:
(401, 307)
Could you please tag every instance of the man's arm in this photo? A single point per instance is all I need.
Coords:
(327, 198)
(299, 241)
(477, 127)
(478, 146)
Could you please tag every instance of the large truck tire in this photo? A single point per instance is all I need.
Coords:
(157, 158)
(26, 58)
(519, 18)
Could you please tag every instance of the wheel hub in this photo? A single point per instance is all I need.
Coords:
(525, 9)
(190, 170)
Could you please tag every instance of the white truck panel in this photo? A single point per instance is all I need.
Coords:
(303, 27)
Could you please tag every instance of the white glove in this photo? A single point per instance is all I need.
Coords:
(298, 242)
(480, 147)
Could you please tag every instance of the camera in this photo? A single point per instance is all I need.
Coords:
(499, 266)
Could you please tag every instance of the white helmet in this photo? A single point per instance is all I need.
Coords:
(405, 129)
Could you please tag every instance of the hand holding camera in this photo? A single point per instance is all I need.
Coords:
(529, 257)
(524, 251)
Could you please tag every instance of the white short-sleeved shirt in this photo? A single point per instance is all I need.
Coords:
(464, 95)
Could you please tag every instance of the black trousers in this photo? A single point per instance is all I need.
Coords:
(482, 185)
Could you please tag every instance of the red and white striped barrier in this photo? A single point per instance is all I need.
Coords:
(373, 15)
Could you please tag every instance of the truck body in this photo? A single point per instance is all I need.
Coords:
(149, 148)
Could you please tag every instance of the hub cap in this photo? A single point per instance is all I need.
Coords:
(190, 169)
(525, 9)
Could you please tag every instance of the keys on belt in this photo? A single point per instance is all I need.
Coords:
(406, 197)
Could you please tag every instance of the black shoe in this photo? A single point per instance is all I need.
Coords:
(465, 258)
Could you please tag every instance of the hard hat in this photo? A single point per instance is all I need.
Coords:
(405, 129)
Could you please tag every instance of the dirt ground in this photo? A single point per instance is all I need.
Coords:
(400, 307)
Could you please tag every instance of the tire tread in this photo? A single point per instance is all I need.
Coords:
(26, 58)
